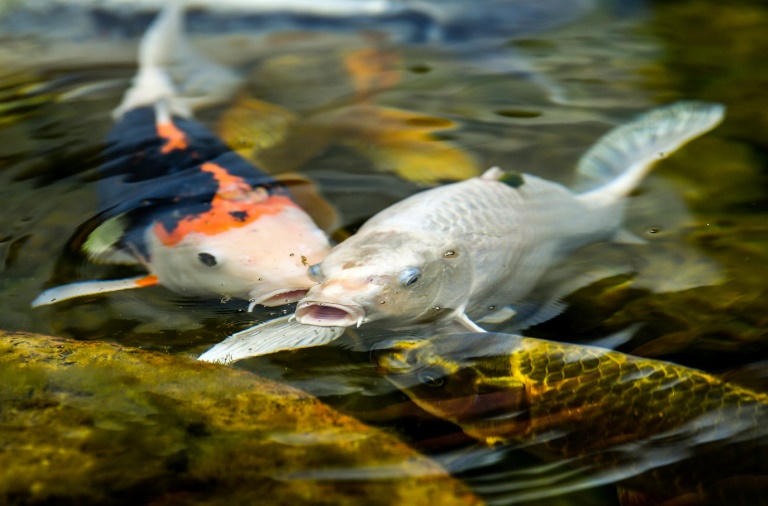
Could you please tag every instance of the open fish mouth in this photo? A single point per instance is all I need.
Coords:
(280, 297)
(327, 314)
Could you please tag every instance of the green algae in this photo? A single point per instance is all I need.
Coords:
(96, 423)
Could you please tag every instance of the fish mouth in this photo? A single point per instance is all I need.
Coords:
(328, 314)
(281, 297)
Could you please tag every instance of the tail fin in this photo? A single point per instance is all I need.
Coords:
(172, 73)
(620, 160)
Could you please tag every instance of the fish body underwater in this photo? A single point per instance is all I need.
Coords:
(469, 253)
(646, 424)
(201, 219)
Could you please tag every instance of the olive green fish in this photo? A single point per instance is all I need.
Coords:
(644, 424)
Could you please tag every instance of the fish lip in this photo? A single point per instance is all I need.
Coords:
(281, 297)
(329, 314)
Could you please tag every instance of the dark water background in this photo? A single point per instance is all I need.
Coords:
(532, 100)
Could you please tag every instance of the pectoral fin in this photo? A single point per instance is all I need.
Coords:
(280, 334)
(73, 290)
(101, 246)
(464, 324)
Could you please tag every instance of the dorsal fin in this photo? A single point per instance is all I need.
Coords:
(619, 161)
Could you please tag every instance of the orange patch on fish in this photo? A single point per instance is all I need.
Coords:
(235, 205)
(176, 139)
(150, 280)
(230, 187)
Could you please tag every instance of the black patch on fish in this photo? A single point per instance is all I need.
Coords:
(239, 215)
(513, 179)
(149, 186)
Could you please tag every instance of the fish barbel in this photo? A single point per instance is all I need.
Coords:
(654, 425)
(202, 220)
(469, 253)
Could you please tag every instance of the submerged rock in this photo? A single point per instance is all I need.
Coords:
(97, 423)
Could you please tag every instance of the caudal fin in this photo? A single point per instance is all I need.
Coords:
(620, 160)
(171, 73)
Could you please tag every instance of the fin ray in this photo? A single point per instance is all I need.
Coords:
(84, 288)
(614, 166)
(279, 334)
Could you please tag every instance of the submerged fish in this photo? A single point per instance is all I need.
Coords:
(201, 219)
(646, 424)
(474, 251)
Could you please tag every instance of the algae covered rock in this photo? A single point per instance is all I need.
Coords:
(97, 423)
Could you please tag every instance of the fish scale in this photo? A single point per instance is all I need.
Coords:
(661, 426)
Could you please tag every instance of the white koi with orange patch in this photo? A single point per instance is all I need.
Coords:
(202, 220)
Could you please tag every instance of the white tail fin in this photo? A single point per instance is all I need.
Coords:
(620, 160)
(172, 73)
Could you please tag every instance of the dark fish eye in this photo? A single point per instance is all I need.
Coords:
(410, 276)
(315, 273)
(207, 259)
(432, 379)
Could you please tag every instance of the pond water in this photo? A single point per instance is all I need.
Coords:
(434, 100)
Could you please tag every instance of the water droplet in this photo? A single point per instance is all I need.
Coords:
(436, 308)
(654, 230)
(449, 253)
(491, 308)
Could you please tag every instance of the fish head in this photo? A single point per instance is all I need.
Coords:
(399, 278)
(264, 260)
(463, 378)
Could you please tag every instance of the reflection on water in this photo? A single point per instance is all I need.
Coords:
(369, 135)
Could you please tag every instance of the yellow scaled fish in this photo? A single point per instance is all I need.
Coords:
(646, 424)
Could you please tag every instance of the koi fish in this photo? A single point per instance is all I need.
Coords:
(477, 251)
(646, 424)
(199, 218)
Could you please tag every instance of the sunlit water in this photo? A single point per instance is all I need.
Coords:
(532, 101)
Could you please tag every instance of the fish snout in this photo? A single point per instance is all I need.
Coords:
(329, 314)
(280, 297)
(285, 290)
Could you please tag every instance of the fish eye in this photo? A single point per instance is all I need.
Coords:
(315, 273)
(410, 276)
(207, 259)
(431, 378)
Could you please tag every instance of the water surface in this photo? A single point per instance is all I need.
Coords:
(531, 100)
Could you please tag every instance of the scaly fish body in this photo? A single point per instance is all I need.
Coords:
(200, 218)
(476, 245)
(474, 251)
(654, 425)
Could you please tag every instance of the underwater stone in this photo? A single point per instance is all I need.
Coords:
(98, 423)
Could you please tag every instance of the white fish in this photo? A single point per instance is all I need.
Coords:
(470, 251)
